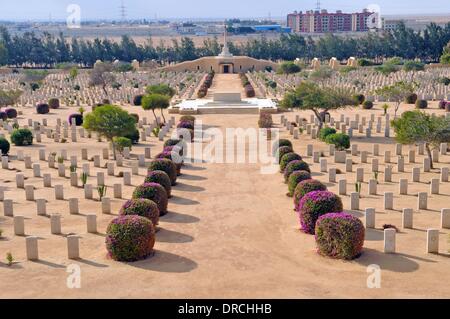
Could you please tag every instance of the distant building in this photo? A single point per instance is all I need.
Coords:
(276, 28)
(315, 21)
(391, 25)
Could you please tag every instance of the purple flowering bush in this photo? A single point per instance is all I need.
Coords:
(442, 104)
(295, 178)
(315, 204)
(283, 150)
(306, 187)
(162, 179)
(165, 165)
(287, 158)
(295, 166)
(186, 124)
(280, 143)
(141, 207)
(3, 116)
(154, 192)
(53, 103)
(130, 238)
(174, 157)
(78, 119)
(11, 113)
(42, 108)
(339, 235)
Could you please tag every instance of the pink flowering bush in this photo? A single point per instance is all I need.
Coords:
(141, 207)
(130, 238)
(315, 204)
(186, 124)
(283, 150)
(154, 192)
(295, 166)
(174, 157)
(280, 143)
(162, 179)
(306, 187)
(295, 178)
(287, 158)
(339, 235)
(165, 165)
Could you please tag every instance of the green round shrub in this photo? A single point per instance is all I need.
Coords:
(53, 103)
(306, 187)
(162, 179)
(22, 137)
(295, 166)
(165, 165)
(411, 99)
(367, 105)
(134, 137)
(323, 133)
(341, 141)
(121, 142)
(421, 104)
(42, 108)
(287, 158)
(340, 236)
(187, 118)
(154, 192)
(315, 204)
(141, 207)
(137, 100)
(130, 238)
(280, 143)
(295, 178)
(4, 146)
(283, 150)
(359, 98)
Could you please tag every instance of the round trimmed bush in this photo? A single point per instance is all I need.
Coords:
(134, 137)
(21, 137)
(341, 141)
(162, 179)
(53, 103)
(283, 150)
(411, 99)
(287, 158)
(359, 98)
(281, 143)
(165, 165)
(121, 142)
(130, 238)
(295, 166)
(185, 134)
(367, 105)
(442, 104)
(42, 108)
(306, 187)
(175, 144)
(186, 124)
(77, 117)
(447, 107)
(187, 118)
(340, 236)
(315, 204)
(11, 113)
(295, 178)
(323, 133)
(137, 100)
(175, 158)
(3, 116)
(141, 207)
(4, 146)
(421, 104)
(154, 192)
(135, 116)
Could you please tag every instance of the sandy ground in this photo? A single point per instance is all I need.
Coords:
(231, 233)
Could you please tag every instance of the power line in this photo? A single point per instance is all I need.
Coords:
(318, 5)
(123, 11)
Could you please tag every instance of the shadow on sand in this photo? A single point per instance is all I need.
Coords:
(166, 262)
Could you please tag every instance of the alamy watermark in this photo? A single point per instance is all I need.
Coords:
(374, 278)
(374, 21)
(73, 20)
(74, 279)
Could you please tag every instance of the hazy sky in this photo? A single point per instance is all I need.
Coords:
(109, 9)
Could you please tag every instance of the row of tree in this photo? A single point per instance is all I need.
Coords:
(47, 50)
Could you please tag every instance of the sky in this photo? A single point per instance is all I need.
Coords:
(136, 9)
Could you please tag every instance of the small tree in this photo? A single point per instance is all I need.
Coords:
(289, 67)
(162, 89)
(156, 101)
(397, 93)
(415, 127)
(101, 76)
(309, 96)
(110, 121)
(9, 97)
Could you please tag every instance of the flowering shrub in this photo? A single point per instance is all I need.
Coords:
(367, 105)
(442, 104)
(249, 91)
(130, 238)
(297, 165)
(421, 104)
(11, 113)
(187, 118)
(53, 103)
(186, 124)
(186, 134)
(165, 165)
(295, 178)
(280, 143)
(306, 187)
(173, 157)
(78, 119)
(339, 235)
(42, 108)
(283, 150)
(287, 158)
(141, 207)
(3, 116)
(162, 179)
(315, 204)
(154, 192)
(411, 99)
(137, 100)
(265, 120)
